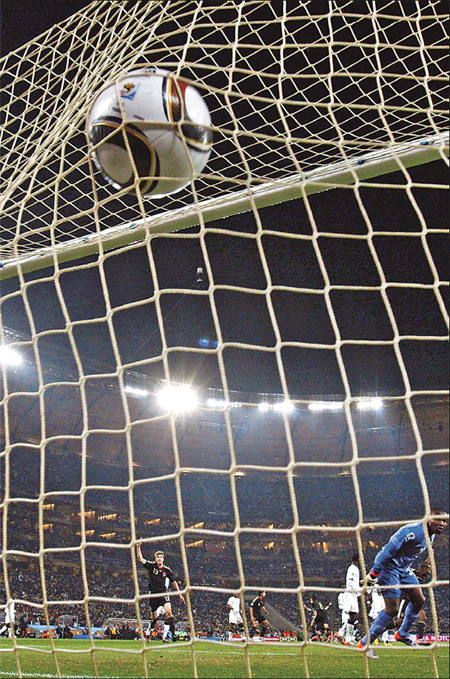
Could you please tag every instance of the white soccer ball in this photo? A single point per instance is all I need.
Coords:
(150, 126)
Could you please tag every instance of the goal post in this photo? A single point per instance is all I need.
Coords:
(344, 173)
(288, 406)
(278, 114)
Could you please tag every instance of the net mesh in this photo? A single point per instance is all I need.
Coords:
(302, 313)
(288, 91)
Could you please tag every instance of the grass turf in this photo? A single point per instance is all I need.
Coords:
(214, 660)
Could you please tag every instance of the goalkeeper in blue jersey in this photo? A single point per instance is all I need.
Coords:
(393, 569)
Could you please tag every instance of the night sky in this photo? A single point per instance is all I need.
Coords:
(21, 24)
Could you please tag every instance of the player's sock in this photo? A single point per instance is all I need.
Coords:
(171, 623)
(230, 636)
(420, 630)
(342, 634)
(350, 631)
(166, 630)
(381, 623)
(410, 618)
(3, 629)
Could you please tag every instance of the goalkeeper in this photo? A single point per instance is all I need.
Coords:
(423, 573)
(392, 569)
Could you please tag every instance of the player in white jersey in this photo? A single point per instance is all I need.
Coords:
(376, 607)
(350, 604)
(341, 605)
(235, 621)
(10, 617)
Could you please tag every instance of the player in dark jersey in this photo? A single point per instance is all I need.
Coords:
(319, 625)
(258, 615)
(160, 577)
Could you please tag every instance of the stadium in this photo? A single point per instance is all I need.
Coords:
(250, 374)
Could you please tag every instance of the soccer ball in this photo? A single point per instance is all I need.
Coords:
(150, 131)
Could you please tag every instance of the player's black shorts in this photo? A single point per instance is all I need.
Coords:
(156, 602)
(320, 625)
(260, 618)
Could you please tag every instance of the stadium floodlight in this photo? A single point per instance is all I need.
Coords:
(178, 399)
(370, 404)
(9, 356)
(217, 403)
(284, 407)
(135, 391)
(264, 406)
(326, 405)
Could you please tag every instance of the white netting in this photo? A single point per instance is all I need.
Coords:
(288, 90)
(336, 297)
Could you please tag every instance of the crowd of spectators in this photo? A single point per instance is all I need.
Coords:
(89, 556)
(103, 584)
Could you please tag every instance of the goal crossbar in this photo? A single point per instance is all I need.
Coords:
(343, 173)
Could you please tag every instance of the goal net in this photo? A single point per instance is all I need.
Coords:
(249, 374)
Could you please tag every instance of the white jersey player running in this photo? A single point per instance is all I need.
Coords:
(10, 618)
(350, 602)
(376, 608)
(341, 606)
(235, 621)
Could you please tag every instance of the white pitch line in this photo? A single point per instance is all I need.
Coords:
(47, 676)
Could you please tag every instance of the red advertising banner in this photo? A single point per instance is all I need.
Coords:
(441, 637)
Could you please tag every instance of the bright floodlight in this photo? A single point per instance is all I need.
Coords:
(217, 403)
(326, 405)
(284, 407)
(9, 356)
(370, 404)
(135, 391)
(179, 399)
(264, 406)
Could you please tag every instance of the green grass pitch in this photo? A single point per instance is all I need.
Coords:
(214, 660)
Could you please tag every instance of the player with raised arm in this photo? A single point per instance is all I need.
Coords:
(392, 570)
(235, 621)
(258, 615)
(351, 604)
(319, 625)
(160, 577)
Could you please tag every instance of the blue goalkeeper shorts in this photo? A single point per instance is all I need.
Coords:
(394, 579)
